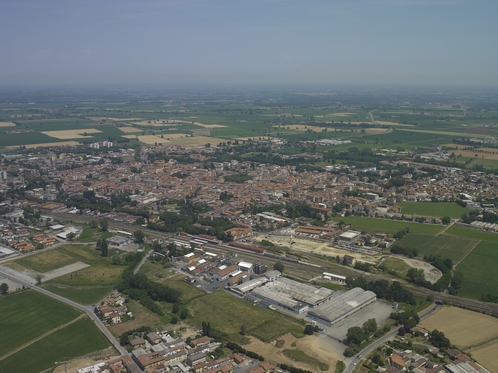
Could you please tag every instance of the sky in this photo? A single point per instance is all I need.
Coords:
(332, 42)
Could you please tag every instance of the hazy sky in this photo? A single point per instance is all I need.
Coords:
(447, 42)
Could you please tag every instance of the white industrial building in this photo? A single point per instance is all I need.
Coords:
(341, 306)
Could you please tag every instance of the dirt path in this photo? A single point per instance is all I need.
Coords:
(432, 274)
(466, 254)
(445, 228)
(41, 337)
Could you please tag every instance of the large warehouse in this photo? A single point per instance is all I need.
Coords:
(292, 295)
(341, 306)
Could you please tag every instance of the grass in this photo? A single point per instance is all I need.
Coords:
(473, 233)
(396, 265)
(444, 245)
(77, 339)
(227, 313)
(435, 209)
(372, 225)
(27, 315)
(479, 269)
(300, 356)
(93, 234)
(80, 294)
(47, 261)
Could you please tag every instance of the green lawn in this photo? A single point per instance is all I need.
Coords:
(479, 269)
(80, 294)
(436, 209)
(372, 225)
(444, 245)
(77, 339)
(27, 315)
(93, 234)
(227, 314)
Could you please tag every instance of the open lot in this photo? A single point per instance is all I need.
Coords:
(487, 356)
(227, 314)
(81, 294)
(7, 124)
(143, 317)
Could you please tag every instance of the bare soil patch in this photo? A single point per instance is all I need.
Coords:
(64, 270)
(464, 328)
(377, 130)
(314, 346)
(129, 129)
(70, 134)
(432, 274)
(393, 123)
(7, 124)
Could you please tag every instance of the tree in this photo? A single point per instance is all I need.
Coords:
(104, 248)
(243, 329)
(103, 224)
(184, 314)
(401, 331)
(38, 279)
(355, 335)
(174, 320)
(176, 308)
(457, 280)
(279, 267)
(439, 340)
(139, 236)
(446, 220)
(4, 288)
(94, 224)
(70, 236)
(309, 329)
(370, 326)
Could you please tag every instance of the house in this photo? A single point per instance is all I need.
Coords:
(349, 260)
(137, 343)
(154, 338)
(195, 359)
(400, 361)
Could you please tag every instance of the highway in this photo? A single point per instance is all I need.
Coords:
(87, 309)
(356, 360)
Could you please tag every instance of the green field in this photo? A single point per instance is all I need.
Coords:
(77, 339)
(27, 315)
(372, 225)
(227, 314)
(444, 245)
(80, 294)
(473, 233)
(435, 209)
(479, 269)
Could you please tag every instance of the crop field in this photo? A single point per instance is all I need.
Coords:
(435, 209)
(473, 233)
(479, 269)
(464, 328)
(373, 225)
(28, 315)
(227, 314)
(486, 355)
(80, 294)
(77, 339)
(444, 245)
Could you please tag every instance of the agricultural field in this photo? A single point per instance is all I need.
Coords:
(434, 209)
(28, 315)
(227, 314)
(86, 285)
(479, 269)
(444, 245)
(372, 225)
(79, 338)
(468, 330)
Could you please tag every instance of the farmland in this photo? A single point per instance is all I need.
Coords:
(435, 209)
(444, 245)
(79, 338)
(29, 314)
(479, 269)
(372, 225)
(471, 331)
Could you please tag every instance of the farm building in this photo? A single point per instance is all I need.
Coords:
(117, 241)
(292, 295)
(341, 306)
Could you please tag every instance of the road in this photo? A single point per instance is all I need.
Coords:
(88, 310)
(144, 259)
(367, 350)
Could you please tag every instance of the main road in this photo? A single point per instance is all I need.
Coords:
(367, 350)
(87, 309)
